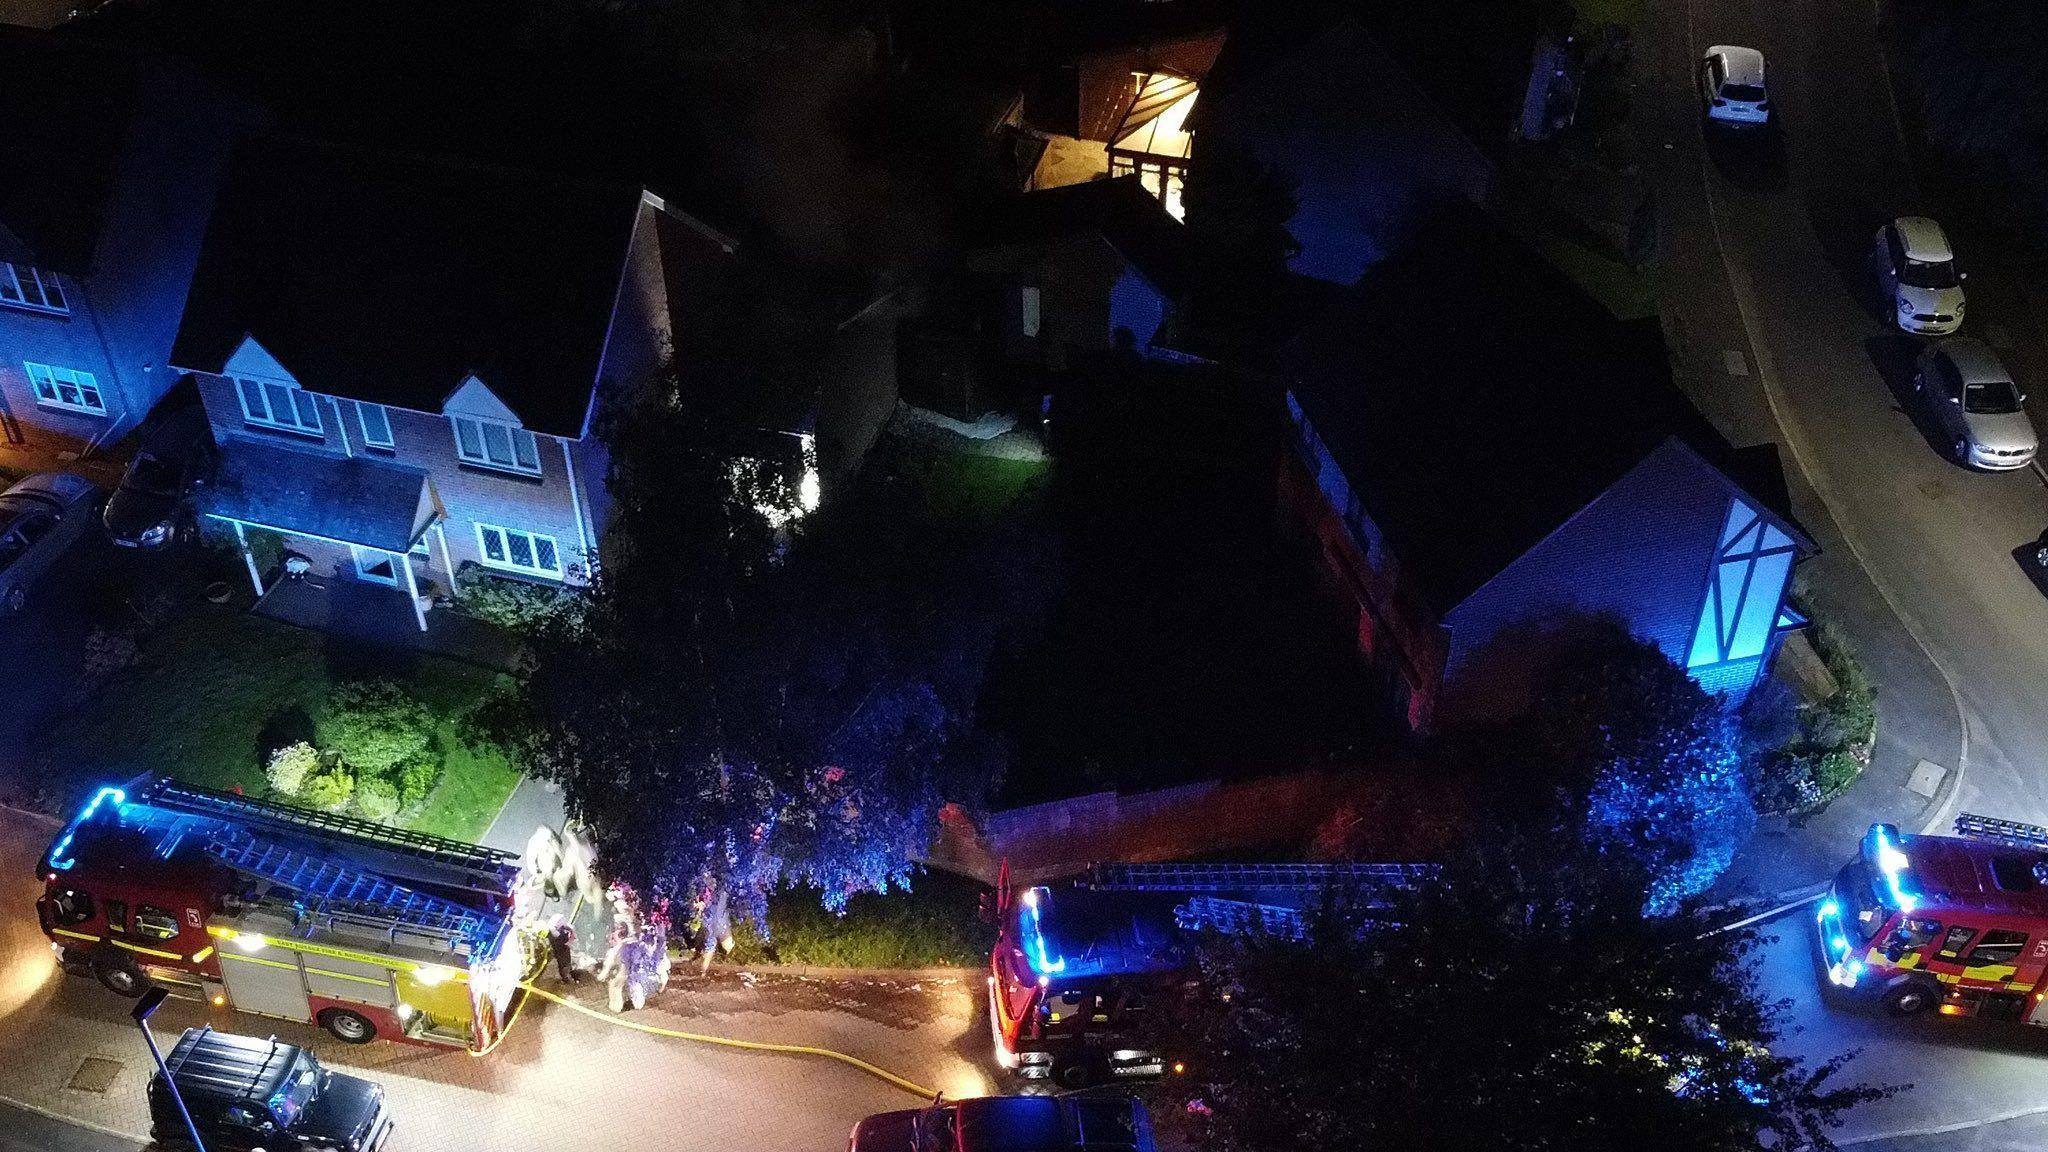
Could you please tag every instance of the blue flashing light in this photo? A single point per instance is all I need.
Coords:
(59, 858)
(1830, 909)
(1036, 953)
(1891, 861)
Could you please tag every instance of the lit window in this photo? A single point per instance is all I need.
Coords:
(26, 287)
(1751, 568)
(376, 424)
(490, 444)
(281, 406)
(1031, 306)
(513, 551)
(66, 388)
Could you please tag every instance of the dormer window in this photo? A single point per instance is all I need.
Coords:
(25, 287)
(285, 407)
(492, 444)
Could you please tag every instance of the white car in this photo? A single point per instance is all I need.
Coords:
(1972, 398)
(1732, 85)
(40, 518)
(1918, 270)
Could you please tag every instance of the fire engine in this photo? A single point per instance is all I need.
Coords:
(1073, 966)
(363, 929)
(1958, 922)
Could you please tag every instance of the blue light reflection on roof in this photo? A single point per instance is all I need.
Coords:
(58, 851)
(1036, 952)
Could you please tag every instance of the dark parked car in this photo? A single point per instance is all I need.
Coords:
(40, 518)
(152, 506)
(1012, 1124)
(246, 1093)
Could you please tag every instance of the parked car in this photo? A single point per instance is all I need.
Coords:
(40, 518)
(1973, 400)
(244, 1093)
(1918, 271)
(152, 505)
(1732, 87)
(1012, 1124)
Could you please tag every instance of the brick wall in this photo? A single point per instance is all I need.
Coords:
(71, 341)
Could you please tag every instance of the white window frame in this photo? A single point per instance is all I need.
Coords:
(390, 441)
(507, 564)
(13, 294)
(481, 457)
(267, 418)
(91, 401)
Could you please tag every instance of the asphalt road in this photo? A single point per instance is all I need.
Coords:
(24, 1131)
(1789, 220)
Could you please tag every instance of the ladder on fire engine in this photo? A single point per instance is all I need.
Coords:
(330, 885)
(1254, 877)
(473, 865)
(2010, 832)
(1241, 918)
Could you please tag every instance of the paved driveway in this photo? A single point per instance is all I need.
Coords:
(560, 1082)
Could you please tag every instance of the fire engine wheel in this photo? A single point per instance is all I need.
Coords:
(1073, 1074)
(347, 1026)
(1910, 999)
(119, 972)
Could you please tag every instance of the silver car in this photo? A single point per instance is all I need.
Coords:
(1971, 397)
(1918, 270)
(40, 518)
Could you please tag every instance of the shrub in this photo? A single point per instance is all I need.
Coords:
(329, 788)
(1831, 746)
(517, 605)
(291, 766)
(377, 728)
(415, 779)
(377, 799)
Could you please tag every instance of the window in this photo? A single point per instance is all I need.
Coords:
(1744, 590)
(117, 915)
(1952, 944)
(65, 388)
(26, 287)
(73, 905)
(490, 444)
(1998, 946)
(526, 552)
(376, 424)
(1029, 295)
(1913, 934)
(156, 923)
(280, 406)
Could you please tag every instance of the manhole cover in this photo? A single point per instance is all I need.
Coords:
(95, 1074)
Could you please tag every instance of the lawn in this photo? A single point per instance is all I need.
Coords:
(961, 486)
(932, 925)
(214, 689)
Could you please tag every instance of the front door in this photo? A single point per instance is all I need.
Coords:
(378, 567)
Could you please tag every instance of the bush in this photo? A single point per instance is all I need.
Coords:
(329, 788)
(377, 728)
(416, 778)
(377, 799)
(1832, 744)
(517, 605)
(291, 766)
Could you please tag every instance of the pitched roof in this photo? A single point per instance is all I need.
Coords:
(1121, 211)
(1476, 399)
(375, 503)
(65, 112)
(392, 279)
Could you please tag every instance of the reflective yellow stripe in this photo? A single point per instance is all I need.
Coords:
(1990, 972)
(145, 951)
(1947, 977)
(74, 935)
(384, 983)
(202, 954)
(259, 960)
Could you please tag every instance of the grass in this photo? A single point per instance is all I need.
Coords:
(214, 689)
(1600, 13)
(960, 486)
(933, 925)
(1624, 291)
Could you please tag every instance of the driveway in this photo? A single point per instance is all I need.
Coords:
(560, 1081)
(1769, 245)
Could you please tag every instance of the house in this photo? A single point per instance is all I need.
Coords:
(1366, 149)
(112, 159)
(1087, 267)
(1482, 455)
(401, 390)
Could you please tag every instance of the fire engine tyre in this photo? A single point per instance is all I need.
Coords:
(1910, 999)
(347, 1026)
(119, 972)
(1073, 1074)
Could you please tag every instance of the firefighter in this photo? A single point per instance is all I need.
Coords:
(560, 937)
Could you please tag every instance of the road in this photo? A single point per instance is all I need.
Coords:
(559, 1081)
(1769, 241)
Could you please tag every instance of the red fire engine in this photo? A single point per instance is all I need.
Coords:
(1074, 965)
(363, 929)
(1956, 922)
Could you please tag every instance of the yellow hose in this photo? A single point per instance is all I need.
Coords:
(909, 1086)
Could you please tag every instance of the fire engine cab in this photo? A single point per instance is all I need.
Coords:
(1958, 922)
(363, 929)
(1073, 966)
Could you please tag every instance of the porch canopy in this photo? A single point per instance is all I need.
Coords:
(373, 506)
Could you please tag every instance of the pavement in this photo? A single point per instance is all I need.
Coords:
(560, 1080)
(23, 1130)
(1779, 335)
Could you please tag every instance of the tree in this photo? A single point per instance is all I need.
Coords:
(1622, 749)
(1523, 1003)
